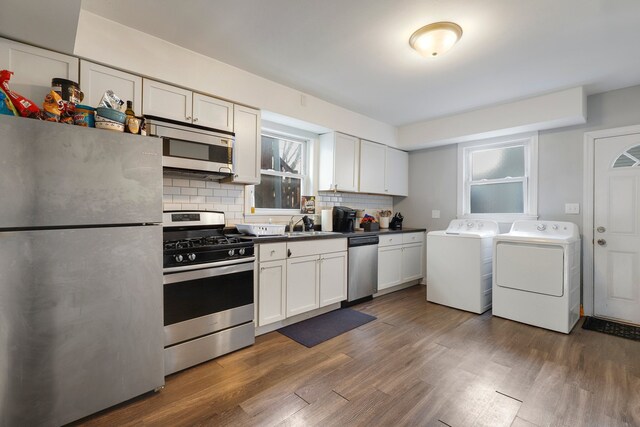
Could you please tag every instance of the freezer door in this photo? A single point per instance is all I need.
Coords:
(57, 175)
(81, 323)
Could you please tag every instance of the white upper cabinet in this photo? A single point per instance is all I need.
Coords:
(372, 167)
(396, 172)
(33, 68)
(212, 112)
(166, 101)
(339, 159)
(96, 79)
(383, 170)
(247, 147)
(171, 102)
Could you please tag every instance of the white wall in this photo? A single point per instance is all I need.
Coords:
(433, 172)
(110, 43)
(549, 111)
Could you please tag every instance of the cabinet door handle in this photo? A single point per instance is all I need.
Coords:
(261, 268)
(188, 118)
(273, 251)
(288, 252)
(195, 119)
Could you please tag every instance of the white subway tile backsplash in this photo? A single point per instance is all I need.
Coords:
(189, 191)
(180, 199)
(183, 194)
(177, 182)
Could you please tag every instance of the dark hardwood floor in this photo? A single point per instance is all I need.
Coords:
(417, 364)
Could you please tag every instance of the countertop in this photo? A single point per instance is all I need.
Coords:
(335, 235)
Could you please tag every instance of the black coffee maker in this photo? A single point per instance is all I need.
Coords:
(344, 219)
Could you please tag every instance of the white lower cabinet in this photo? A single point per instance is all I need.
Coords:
(298, 277)
(333, 278)
(302, 284)
(272, 278)
(389, 266)
(411, 262)
(399, 259)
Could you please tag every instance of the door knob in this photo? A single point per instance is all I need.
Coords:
(602, 242)
(601, 229)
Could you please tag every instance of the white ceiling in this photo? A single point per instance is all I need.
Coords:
(356, 54)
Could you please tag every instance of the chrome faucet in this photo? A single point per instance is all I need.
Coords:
(293, 224)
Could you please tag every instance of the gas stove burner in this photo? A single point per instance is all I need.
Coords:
(200, 242)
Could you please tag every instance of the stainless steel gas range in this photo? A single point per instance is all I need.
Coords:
(208, 289)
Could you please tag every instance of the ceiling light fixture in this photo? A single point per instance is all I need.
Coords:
(435, 39)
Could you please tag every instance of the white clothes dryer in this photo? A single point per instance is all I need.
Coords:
(459, 264)
(536, 276)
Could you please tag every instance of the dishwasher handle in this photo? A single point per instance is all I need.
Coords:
(363, 241)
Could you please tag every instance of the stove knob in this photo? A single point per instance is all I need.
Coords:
(178, 258)
(241, 251)
(232, 252)
(191, 257)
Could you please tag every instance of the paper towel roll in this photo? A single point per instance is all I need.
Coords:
(327, 220)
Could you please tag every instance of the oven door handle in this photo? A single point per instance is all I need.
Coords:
(207, 265)
(218, 270)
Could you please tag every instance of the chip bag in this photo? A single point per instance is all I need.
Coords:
(24, 106)
(52, 107)
(6, 107)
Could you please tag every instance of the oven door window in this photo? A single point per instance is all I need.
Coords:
(192, 298)
(196, 151)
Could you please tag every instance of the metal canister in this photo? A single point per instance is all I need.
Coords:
(68, 90)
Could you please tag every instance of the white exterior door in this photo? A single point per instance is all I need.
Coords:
(617, 228)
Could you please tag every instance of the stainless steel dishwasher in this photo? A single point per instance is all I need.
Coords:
(363, 268)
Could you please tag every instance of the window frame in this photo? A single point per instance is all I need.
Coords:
(303, 176)
(529, 181)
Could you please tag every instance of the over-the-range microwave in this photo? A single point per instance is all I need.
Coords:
(193, 150)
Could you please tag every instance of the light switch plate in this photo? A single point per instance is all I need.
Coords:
(435, 214)
(572, 208)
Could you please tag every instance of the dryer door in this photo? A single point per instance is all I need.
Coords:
(530, 267)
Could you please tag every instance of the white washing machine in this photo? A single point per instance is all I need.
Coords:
(536, 274)
(459, 264)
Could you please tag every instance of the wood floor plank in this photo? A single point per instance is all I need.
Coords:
(418, 363)
(501, 411)
(314, 413)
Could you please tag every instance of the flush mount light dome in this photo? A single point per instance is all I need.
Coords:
(435, 39)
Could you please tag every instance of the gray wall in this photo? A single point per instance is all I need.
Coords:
(433, 172)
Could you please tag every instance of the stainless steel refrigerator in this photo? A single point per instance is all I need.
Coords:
(81, 323)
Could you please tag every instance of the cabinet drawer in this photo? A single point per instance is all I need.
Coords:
(412, 238)
(272, 251)
(390, 239)
(316, 247)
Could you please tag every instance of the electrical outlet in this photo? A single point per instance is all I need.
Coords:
(435, 214)
(572, 208)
